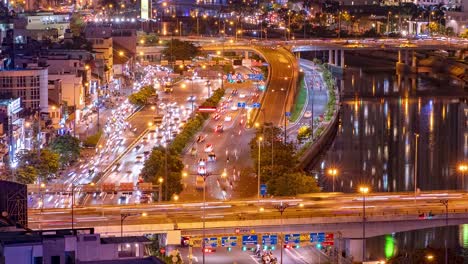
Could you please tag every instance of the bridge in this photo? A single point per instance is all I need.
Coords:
(325, 212)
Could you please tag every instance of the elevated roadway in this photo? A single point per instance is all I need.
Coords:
(282, 79)
(330, 212)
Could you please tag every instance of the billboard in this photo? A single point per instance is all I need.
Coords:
(145, 9)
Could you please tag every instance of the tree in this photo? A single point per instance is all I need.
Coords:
(67, 147)
(304, 133)
(180, 50)
(141, 97)
(154, 168)
(45, 165)
(26, 174)
(77, 24)
(280, 174)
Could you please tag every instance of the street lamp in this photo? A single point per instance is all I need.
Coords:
(160, 181)
(445, 203)
(73, 187)
(463, 168)
(281, 208)
(124, 216)
(333, 172)
(260, 139)
(364, 190)
(204, 177)
(416, 135)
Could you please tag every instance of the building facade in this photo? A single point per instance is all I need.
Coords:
(29, 84)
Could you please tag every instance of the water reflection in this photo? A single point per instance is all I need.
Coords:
(385, 247)
(382, 114)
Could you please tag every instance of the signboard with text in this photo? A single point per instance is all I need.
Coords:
(249, 240)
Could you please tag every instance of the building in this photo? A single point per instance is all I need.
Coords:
(48, 21)
(12, 136)
(101, 40)
(71, 246)
(29, 83)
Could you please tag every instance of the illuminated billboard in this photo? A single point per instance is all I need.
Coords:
(145, 9)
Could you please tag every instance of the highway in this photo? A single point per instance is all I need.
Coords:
(283, 77)
(231, 148)
(318, 208)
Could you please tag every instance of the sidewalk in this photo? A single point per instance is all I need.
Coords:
(316, 102)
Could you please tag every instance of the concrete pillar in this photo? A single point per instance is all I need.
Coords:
(246, 55)
(399, 56)
(355, 249)
(298, 55)
(330, 56)
(342, 59)
(337, 63)
(414, 60)
(406, 57)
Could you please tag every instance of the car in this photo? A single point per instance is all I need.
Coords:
(208, 148)
(216, 116)
(201, 170)
(209, 250)
(219, 128)
(201, 138)
(138, 158)
(229, 99)
(308, 114)
(201, 162)
(242, 95)
(137, 147)
(234, 92)
(168, 90)
(227, 118)
(234, 107)
(192, 98)
(199, 182)
(211, 156)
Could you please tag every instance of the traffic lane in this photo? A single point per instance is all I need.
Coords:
(225, 144)
(281, 76)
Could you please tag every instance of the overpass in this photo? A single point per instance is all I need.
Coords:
(282, 79)
(407, 59)
(331, 212)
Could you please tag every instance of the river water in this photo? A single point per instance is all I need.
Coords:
(383, 117)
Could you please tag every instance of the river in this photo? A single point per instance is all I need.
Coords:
(383, 117)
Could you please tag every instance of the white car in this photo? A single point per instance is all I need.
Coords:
(208, 148)
(228, 118)
(201, 170)
(242, 95)
(234, 107)
(308, 114)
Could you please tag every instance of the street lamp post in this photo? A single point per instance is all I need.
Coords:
(124, 216)
(160, 181)
(416, 165)
(445, 203)
(73, 187)
(204, 177)
(364, 191)
(333, 172)
(260, 139)
(463, 168)
(281, 208)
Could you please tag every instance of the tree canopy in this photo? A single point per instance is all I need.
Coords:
(180, 50)
(31, 166)
(280, 173)
(67, 147)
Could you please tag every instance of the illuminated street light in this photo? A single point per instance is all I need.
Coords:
(463, 168)
(333, 172)
(260, 139)
(121, 53)
(364, 190)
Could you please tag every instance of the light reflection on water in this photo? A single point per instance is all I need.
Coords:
(375, 145)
